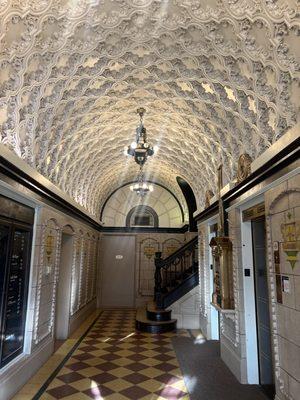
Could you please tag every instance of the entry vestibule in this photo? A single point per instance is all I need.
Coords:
(260, 368)
(63, 301)
(16, 223)
(265, 362)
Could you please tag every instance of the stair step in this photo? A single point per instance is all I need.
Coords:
(155, 314)
(143, 324)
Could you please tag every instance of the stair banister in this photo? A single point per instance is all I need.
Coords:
(173, 269)
(158, 261)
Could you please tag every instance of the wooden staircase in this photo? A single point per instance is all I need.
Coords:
(174, 277)
(153, 320)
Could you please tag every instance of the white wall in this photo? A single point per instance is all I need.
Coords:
(186, 310)
(123, 200)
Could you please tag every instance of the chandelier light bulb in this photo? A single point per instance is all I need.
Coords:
(155, 148)
(140, 149)
(151, 188)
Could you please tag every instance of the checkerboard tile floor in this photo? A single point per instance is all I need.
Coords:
(114, 362)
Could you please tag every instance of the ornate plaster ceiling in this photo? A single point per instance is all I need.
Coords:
(218, 78)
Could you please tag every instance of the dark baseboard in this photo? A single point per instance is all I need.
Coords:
(121, 229)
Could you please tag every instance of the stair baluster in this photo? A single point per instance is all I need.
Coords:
(179, 270)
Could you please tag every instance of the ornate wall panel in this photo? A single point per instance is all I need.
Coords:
(218, 78)
(47, 280)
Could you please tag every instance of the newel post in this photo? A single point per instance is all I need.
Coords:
(157, 278)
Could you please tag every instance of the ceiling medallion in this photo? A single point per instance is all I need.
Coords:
(140, 149)
(141, 188)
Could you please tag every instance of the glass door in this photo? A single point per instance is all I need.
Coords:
(15, 262)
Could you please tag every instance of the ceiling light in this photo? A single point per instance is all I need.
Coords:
(140, 149)
(141, 188)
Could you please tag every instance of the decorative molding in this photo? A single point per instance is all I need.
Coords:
(73, 74)
(244, 167)
(208, 196)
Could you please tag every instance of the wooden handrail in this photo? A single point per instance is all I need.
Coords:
(190, 244)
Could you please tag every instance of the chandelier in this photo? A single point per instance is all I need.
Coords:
(140, 149)
(141, 188)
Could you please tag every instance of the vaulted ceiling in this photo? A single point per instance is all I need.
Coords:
(218, 78)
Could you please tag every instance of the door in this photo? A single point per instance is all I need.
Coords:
(214, 314)
(63, 299)
(118, 271)
(262, 307)
(15, 252)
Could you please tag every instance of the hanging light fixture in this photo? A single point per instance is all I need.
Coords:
(140, 149)
(141, 188)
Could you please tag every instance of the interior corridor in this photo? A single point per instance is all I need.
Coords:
(150, 199)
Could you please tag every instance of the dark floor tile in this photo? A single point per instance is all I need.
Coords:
(167, 378)
(163, 357)
(134, 392)
(110, 357)
(70, 377)
(61, 391)
(82, 357)
(77, 366)
(136, 366)
(135, 378)
(164, 366)
(102, 378)
(106, 366)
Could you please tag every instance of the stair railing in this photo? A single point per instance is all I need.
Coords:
(169, 272)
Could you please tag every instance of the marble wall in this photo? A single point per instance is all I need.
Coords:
(44, 276)
(282, 204)
(186, 310)
(283, 229)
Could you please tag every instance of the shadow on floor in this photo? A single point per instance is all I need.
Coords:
(206, 376)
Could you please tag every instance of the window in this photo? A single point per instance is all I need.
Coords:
(142, 216)
(143, 220)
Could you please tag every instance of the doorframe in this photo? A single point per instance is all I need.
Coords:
(67, 232)
(214, 314)
(100, 275)
(252, 361)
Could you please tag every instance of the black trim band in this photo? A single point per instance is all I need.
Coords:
(121, 229)
(17, 175)
(284, 158)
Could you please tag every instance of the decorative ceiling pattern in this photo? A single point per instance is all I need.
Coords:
(218, 78)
